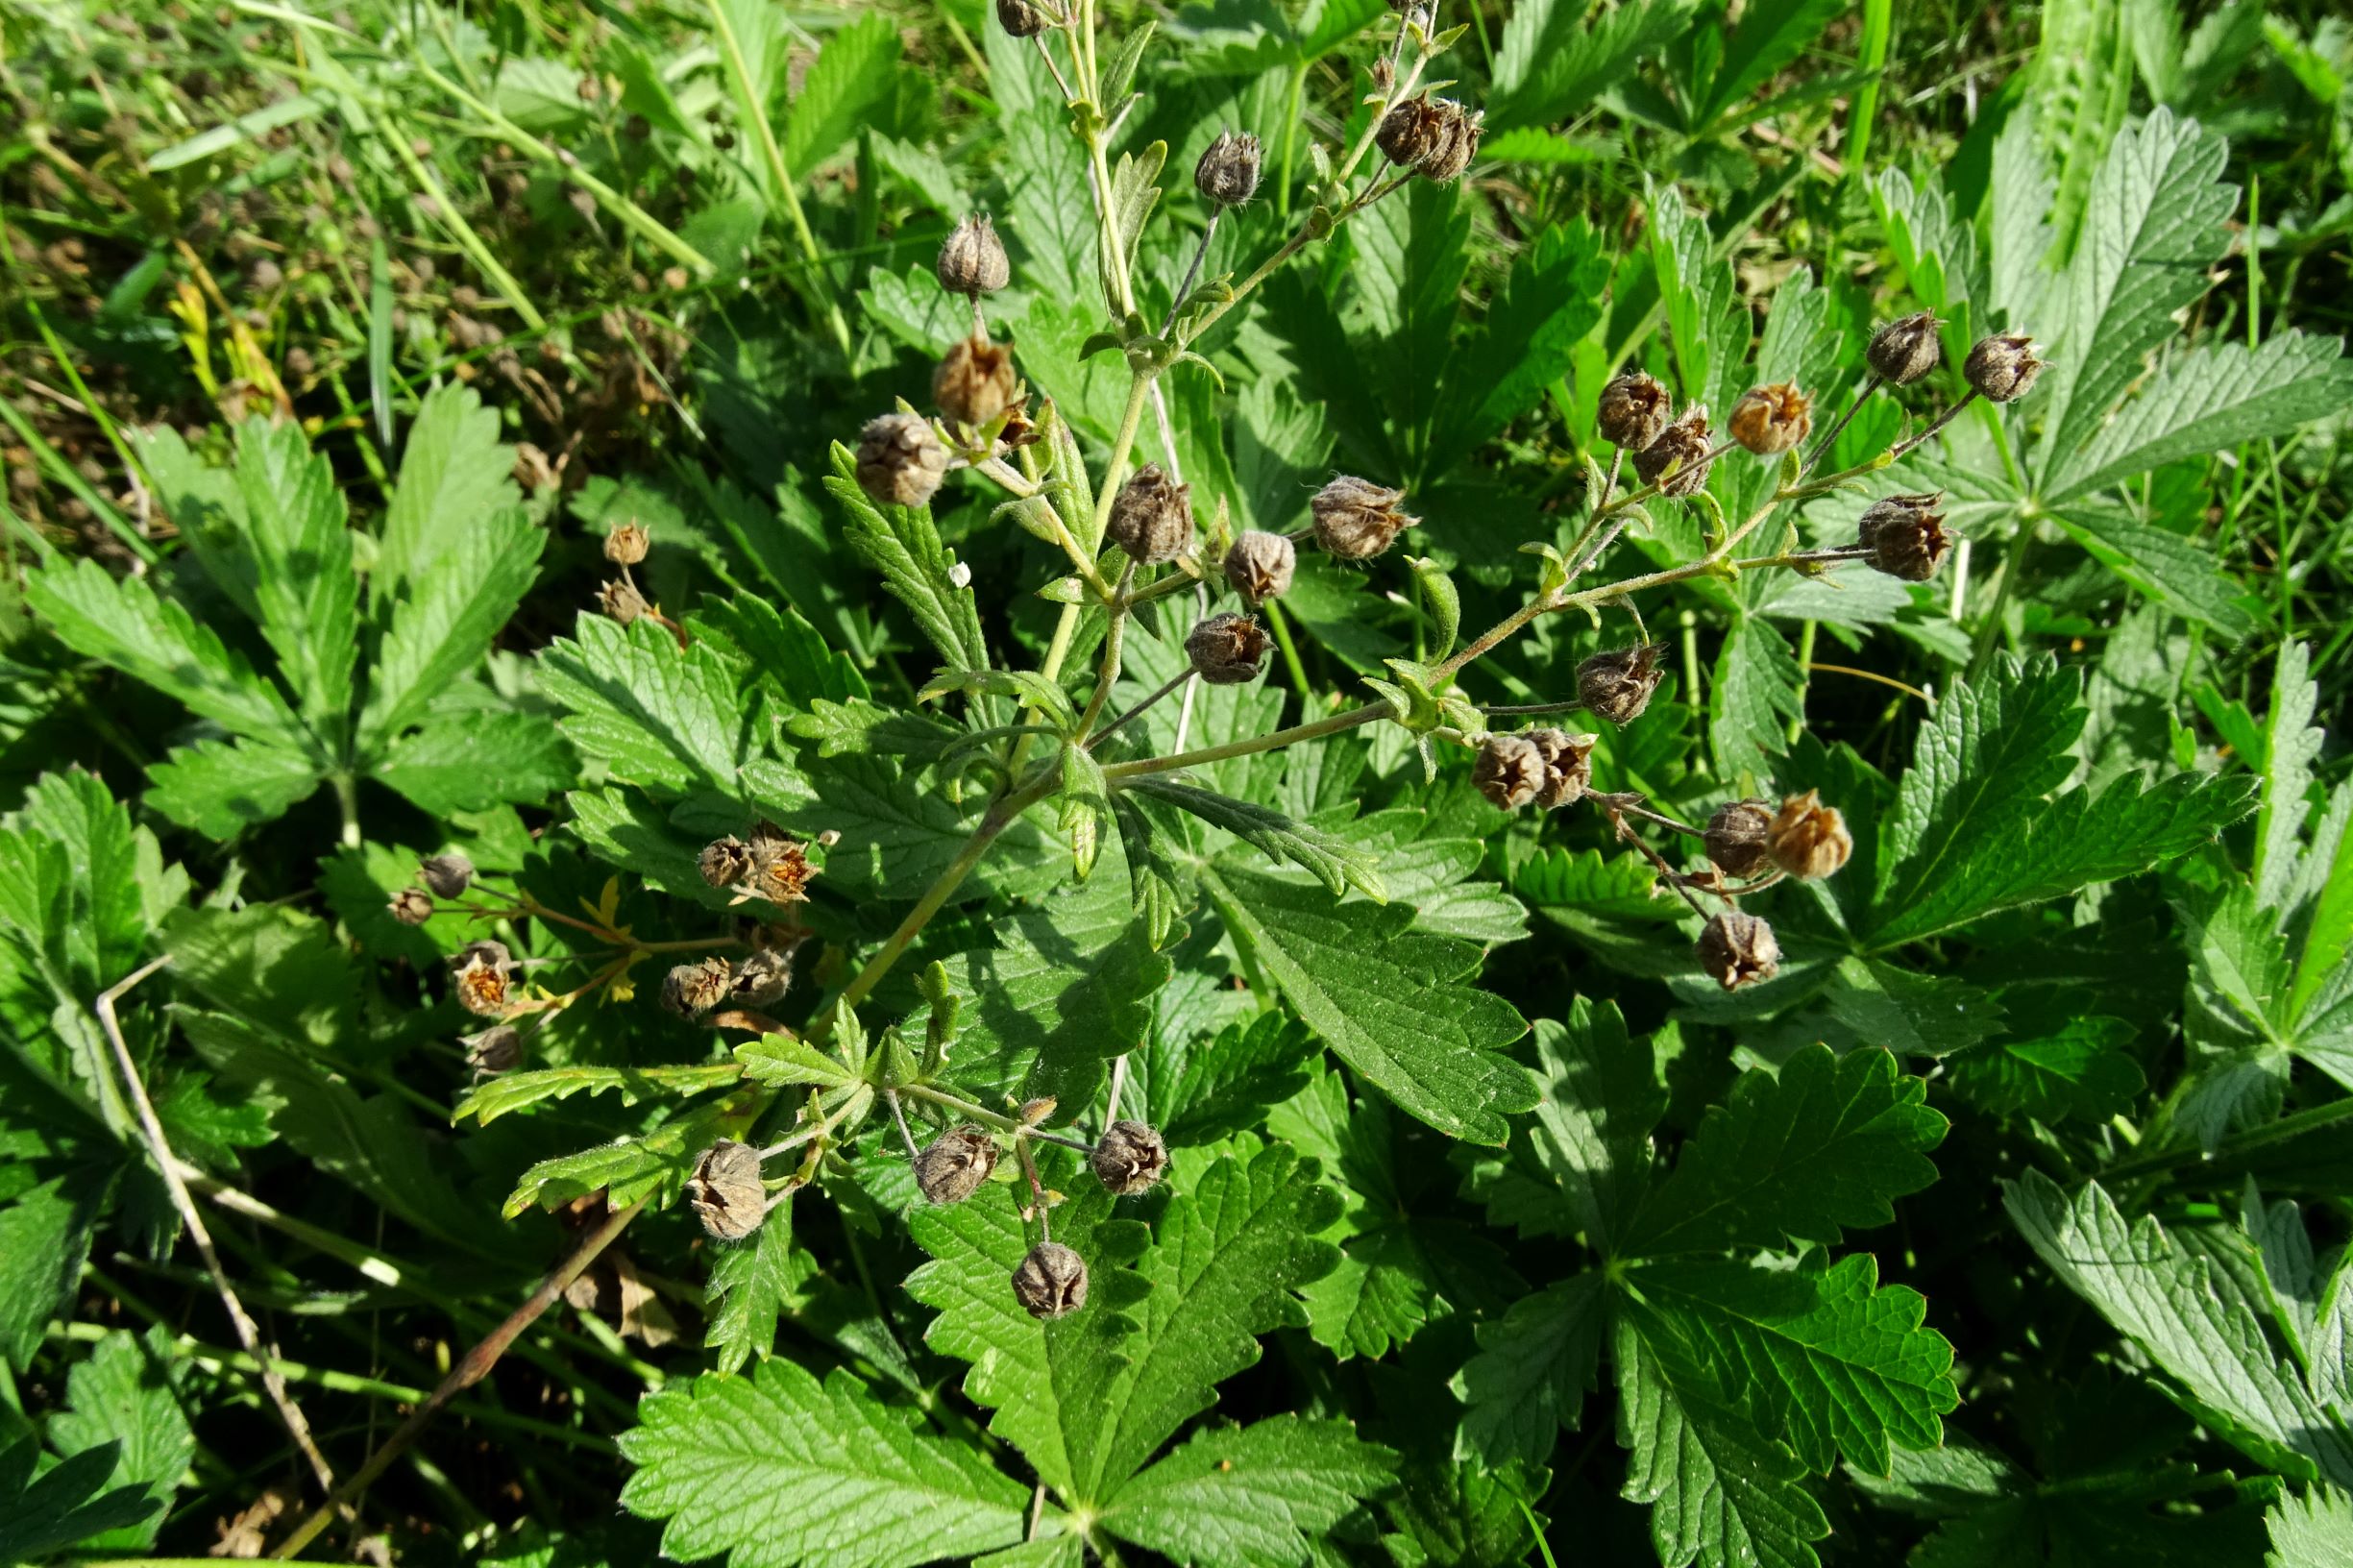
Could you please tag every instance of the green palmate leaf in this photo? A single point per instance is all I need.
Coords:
(121, 1401)
(903, 544)
(125, 624)
(1199, 1090)
(654, 1167)
(1333, 861)
(2201, 1333)
(1752, 700)
(111, 887)
(1821, 1148)
(1250, 1496)
(2155, 217)
(472, 757)
(69, 1502)
(790, 654)
(777, 1468)
(2210, 399)
(1820, 1356)
(2314, 1531)
(503, 1096)
(457, 478)
(664, 718)
(1432, 1046)
(1532, 1371)
(1545, 309)
(2170, 569)
(1591, 1132)
(221, 787)
(1721, 1494)
(2079, 1069)
(1552, 62)
(2292, 745)
(1769, 37)
(44, 1240)
(749, 1285)
(852, 79)
(1707, 321)
(441, 627)
(304, 583)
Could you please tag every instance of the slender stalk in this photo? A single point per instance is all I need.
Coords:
(1137, 711)
(1822, 448)
(1192, 272)
(1935, 424)
(1333, 726)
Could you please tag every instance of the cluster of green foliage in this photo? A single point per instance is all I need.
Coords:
(2005, 1223)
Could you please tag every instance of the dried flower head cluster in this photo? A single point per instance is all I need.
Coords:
(726, 1191)
(1434, 137)
(1770, 420)
(975, 382)
(1548, 767)
(478, 972)
(1677, 461)
(1906, 349)
(772, 865)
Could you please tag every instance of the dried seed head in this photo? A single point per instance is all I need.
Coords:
(1260, 565)
(1738, 949)
(1906, 349)
(1735, 837)
(1568, 766)
(1434, 138)
(1129, 1158)
(412, 906)
(497, 1048)
(2003, 368)
(1683, 447)
(1357, 519)
(1770, 420)
(478, 971)
(1021, 19)
(621, 600)
(1808, 839)
(449, 876)
(1617, 684)
(780, 869)
(1510, 771)
(1227, 649)
(1633, 410)
(974, 383)
(1152, 519)
(1021, 430)
(1905, 536)
(1228, 173)
(628, 544)
(972, 258)
(692, 989)
(952, 1168)
(727, 1193)
(724, 862)
(1051, 1281)
(900, 461)
(763, 976)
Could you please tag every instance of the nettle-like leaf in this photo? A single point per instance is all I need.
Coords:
(122, 1400)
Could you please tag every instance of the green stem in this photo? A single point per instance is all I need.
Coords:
(1282, 629)
(1333, 726)
(347, 801)
(2282, 1131)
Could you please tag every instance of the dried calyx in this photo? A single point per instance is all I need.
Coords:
(972, 258)
(1770, 420)
(1808, 839)
(1152, 519)
(497, 1048)
(773, 865)
(1228, 172)
(1021, 19)
(1677, 461)
(621, 600)
(1259, 565)
(1906, 349)
(1735, 838)
(628, 544)
(952, 1168)
(1357, 519)
(692, 989)
(1436, 137)
(726, 1191)
(1051, 1281)
(900, 461)
(1129, 1158)
(1568, 766)
(412, 906)
(1633, 410)
(1616, 684)
(763, 977)
(1227, 649)
(2003, 368)
(1738, 949)
(1905, 536)
(449, 876)
(1548, 767)
(478, 971)
(975, 382)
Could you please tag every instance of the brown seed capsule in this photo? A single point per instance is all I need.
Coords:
(412, 906)
(1770, 420)
(1259, 565)
(1228, 173)
(1152, 519)
(900, 461)
(1051, 1281)
(628, 544)
(763, 976)
(1905, 536)
(1808, 839)
(2003, 368)
(1227, 649)
(1906, 349)
(1510, 771)
(1683, 447)
(974, 383)
(1633, 411)
(1568, 766)
(724, 862)
(621, 600)
(972, 258)
(1357, 519)
(1129, 1158)
(952, 1168)
(727, 1193)
(497, 1048)
(1433, 137)
(692, 989)
(781, 867)
(1617, 684)
(1021, 19)
(1735, 837)
(478, 972)
(448, 875)
(1738, 949)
